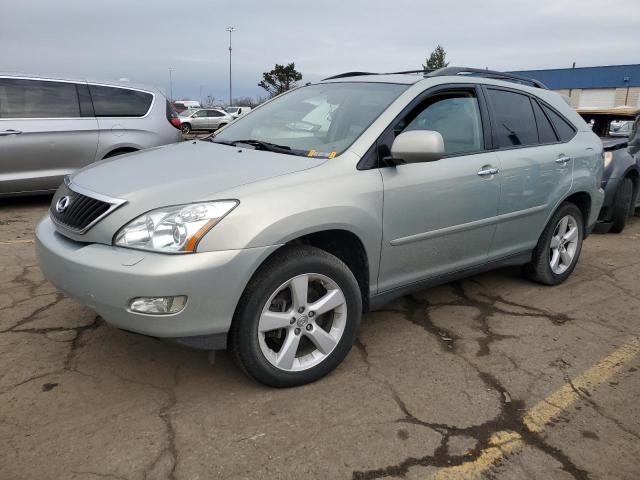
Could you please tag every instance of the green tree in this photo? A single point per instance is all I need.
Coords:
(280, 79)
(437, 59)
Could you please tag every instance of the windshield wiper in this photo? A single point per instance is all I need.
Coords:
(272, 147)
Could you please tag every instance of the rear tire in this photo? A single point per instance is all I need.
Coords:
(622, 206)
(185, 127)
(559, 246)
(221, 125)
(281, 311)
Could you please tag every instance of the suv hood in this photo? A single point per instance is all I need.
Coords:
(185, 172)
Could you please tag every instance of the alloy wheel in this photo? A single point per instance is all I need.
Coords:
(564, 244)
(302, 322)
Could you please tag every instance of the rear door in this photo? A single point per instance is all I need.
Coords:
(440, 216)
(536, 168)
(47, 130)
(215, 118)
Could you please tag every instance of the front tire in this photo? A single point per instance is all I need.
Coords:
(559, 246)
(622, 206)
(297, 319)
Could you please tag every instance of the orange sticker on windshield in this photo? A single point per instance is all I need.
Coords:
(312, 153)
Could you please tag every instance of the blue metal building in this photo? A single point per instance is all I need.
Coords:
(604, 86)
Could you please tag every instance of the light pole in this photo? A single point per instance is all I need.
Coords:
(170, 85)
(230, 30)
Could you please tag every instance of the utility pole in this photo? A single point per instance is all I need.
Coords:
(230, 30)
(201, 101)
(170, 85)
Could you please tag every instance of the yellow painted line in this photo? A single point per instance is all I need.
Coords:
(13, 242)
(506, 442)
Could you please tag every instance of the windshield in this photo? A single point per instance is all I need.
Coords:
(232, 110)
(318, 120)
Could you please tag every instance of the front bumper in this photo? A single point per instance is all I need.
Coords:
(105, 278)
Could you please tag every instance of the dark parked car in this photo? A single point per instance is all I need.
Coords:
(621, 180)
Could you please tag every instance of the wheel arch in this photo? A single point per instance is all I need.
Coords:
(120, 151)
(343, 244)
(583, 201)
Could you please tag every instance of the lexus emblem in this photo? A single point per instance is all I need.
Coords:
(62, 203)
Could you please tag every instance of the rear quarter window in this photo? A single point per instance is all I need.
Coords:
(563, 128)
(119, 102)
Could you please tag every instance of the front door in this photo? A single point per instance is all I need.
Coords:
(200, 121)
(439, 216)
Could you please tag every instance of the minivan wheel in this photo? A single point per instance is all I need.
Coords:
(186, 128)
(559, 246)
(297, 318)
(622, 206)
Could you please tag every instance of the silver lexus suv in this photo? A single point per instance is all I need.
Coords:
(272, 237)
(51, 127)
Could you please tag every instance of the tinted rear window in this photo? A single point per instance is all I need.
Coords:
(119, 102)
(563, 128)
(515, 122)
(38, 99)
(545, 130)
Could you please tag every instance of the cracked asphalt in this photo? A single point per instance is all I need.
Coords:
(433, 382)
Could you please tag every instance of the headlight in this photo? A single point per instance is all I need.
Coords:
(608, 157)
(176, 229)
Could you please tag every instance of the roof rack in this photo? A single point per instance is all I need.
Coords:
(349, 74)
(454, 71)
(487, 74)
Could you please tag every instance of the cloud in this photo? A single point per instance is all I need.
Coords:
(142, 40)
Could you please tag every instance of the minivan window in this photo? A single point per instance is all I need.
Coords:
(119, 102)
(515, 124)
(457, 118)
(545, 130)
(319, 120)
(563, 128)
(38, 99)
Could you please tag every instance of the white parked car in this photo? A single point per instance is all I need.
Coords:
(235, 112)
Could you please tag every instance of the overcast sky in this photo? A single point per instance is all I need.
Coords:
(141, 40)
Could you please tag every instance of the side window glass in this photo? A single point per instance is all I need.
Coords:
(119, 102)
(214, 113)
(455, 116)
(201, 113)
(564, 129)
(38, 99)
(545, 130)
(515, 124)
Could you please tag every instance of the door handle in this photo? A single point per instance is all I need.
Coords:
(486, 171)
(562, 159)
(9, 132)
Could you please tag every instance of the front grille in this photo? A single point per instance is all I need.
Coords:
(81, 211)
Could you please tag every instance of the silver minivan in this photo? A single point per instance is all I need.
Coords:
(273, 236)
(49, 128)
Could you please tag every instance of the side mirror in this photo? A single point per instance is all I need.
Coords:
(417, 146)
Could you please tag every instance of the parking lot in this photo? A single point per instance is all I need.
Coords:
(492, 376)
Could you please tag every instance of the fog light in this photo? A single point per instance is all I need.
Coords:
(158, 305)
